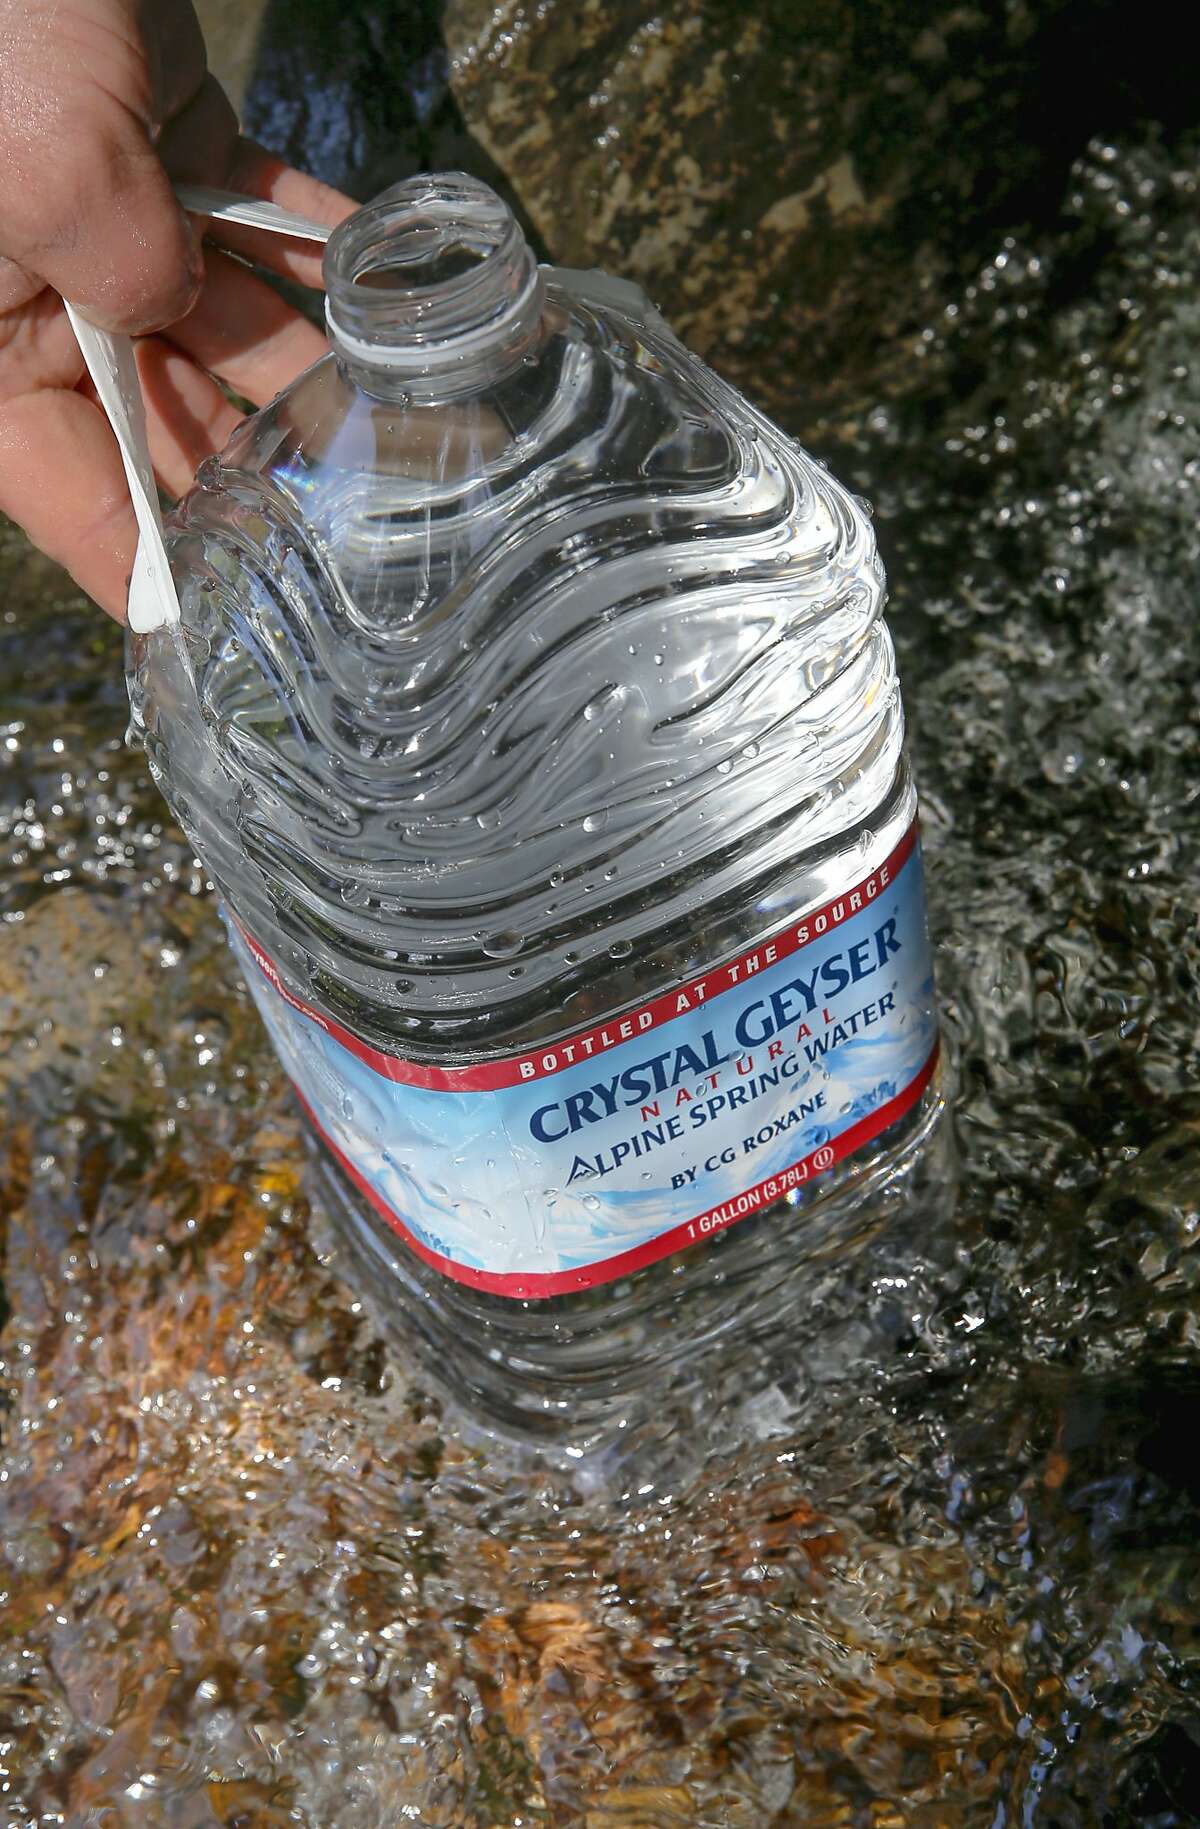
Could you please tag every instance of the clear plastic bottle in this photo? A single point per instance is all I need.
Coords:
(533, 712)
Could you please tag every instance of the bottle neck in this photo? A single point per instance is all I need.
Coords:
(431, 290)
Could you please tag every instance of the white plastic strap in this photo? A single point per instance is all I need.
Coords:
(153, 602)
(227, 206)
(110, 363)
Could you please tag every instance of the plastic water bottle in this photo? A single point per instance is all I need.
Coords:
(533, 713)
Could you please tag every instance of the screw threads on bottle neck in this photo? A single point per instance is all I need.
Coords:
(432, 289)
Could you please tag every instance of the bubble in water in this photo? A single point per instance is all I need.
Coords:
(1064, 762)
(353, 893)
(503, 944)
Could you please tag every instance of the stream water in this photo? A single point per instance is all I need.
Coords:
(936, 1562)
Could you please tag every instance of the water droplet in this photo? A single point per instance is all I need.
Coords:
(556, 879)
(592, 1203)
(750, 750)
(605, 703)
(596, 822)
(503, 944)
(489, 819)
(353, 893)
(620, 949)
(1064, 761)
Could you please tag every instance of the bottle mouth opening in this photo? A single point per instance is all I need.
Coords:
(423, 272)
(433, 276)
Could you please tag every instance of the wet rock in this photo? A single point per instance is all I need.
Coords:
(799, 187)
(231, 30)
(355, 93)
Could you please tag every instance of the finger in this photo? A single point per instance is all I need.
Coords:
(256, 173)
(187, 415)
(37, 347)
(17, 287)
(79, 511)
(198, 146)
(243, 331)
(175, 55)
(98, 221)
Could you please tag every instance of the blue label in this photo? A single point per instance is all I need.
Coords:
(602, 1151)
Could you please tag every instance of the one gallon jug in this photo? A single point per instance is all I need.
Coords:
(533, 713)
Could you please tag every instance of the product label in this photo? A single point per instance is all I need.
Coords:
(593, 1155)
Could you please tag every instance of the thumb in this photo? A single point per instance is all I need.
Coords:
(100, 224)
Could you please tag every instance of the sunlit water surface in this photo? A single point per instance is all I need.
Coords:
(941, 1566)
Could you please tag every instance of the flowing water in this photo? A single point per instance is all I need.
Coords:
(936, 1563)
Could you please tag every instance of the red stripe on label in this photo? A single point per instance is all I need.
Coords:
(530, 1287)
(589, 1044)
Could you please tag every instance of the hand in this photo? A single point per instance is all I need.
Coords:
(104, 104)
